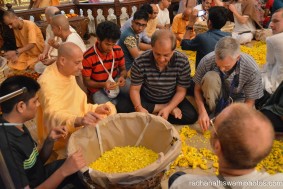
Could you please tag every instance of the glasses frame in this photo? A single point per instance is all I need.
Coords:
(213, 126)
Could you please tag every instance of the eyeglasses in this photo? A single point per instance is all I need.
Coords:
(139, 24)
(212, 124)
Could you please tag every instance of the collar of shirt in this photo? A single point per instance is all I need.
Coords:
(12, 130)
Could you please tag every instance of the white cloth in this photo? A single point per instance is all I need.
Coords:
(273, 70)
(253, 180)
(239, 27)
(199, 8)
(50, 35)
(75, 38)
(163, 16)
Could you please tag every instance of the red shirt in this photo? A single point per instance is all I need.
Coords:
(93, 68)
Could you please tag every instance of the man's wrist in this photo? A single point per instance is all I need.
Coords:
(17, 52)
(189, 28)
(138, 106)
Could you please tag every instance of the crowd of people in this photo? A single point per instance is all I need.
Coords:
(138, 68)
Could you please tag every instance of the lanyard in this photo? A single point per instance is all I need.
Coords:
(100, 60)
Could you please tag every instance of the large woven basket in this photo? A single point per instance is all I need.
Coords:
(152, 182)
(132, 129)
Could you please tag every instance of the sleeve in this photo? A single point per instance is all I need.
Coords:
(87, 68)
(253, 89)
(184, 78)
(201, 70)
(14, 165)
(136, 74)
(31, 36)
(192, 45)
(130, 42)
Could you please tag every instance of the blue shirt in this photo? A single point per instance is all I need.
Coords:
(203, 43)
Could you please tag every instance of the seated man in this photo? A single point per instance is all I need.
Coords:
(159, 79)
(273, 108)
(241, 138)
(273, 69)
(62, 101)
(104, 64)
(49, 54)
(25, 164)
(61, 28)
(142, 36)
(29, 41)
(204, 43)
(163, 14)
(152, 22)
(180, 23)
(129, 40)
(204, 6)
(224, 76)
(246, 17)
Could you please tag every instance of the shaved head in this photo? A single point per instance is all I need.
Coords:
(245, 135)
(69, 61)
(186, 14)
(68, 49)
(61, 21)
(50, 11)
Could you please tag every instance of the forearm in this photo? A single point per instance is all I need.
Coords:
(54, 180)
(144, 46)
(177, 99)
(135, 97)
(46, 49)
(240, 18)
(46, 150)
(93, 84)
(25, 48)
(199, 99)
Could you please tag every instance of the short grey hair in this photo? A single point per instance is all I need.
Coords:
(227, 46)
(164, 34)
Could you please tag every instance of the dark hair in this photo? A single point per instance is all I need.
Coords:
(9, 13)
(140, 15)
(13, 84)
(147, 8)
(108, 30)
(217, 16)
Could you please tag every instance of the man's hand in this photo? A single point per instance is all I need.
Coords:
(141, 109)
(47, 62)
(53, 43)
(11, 55)
(164, 112)
(110, 85)
(121, 81)
(58, 132)
(103, 109)
(90, 118)
(232, 8)
(203, 121)
(73, 163)
(42, 57)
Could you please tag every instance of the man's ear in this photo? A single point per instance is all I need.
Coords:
(216, 146)
(21, 107)
(62, 60)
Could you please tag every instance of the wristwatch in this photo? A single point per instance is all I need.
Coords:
(17, 52)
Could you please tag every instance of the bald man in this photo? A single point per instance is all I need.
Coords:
(29, 41)
(49, 54)
(62, 101)
(61, 28)
(242, 137)
(152, 21)
(159, 81)
(179, 24)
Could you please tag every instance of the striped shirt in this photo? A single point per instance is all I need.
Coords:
(160, 86)
(93, 68)
(250, 84)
